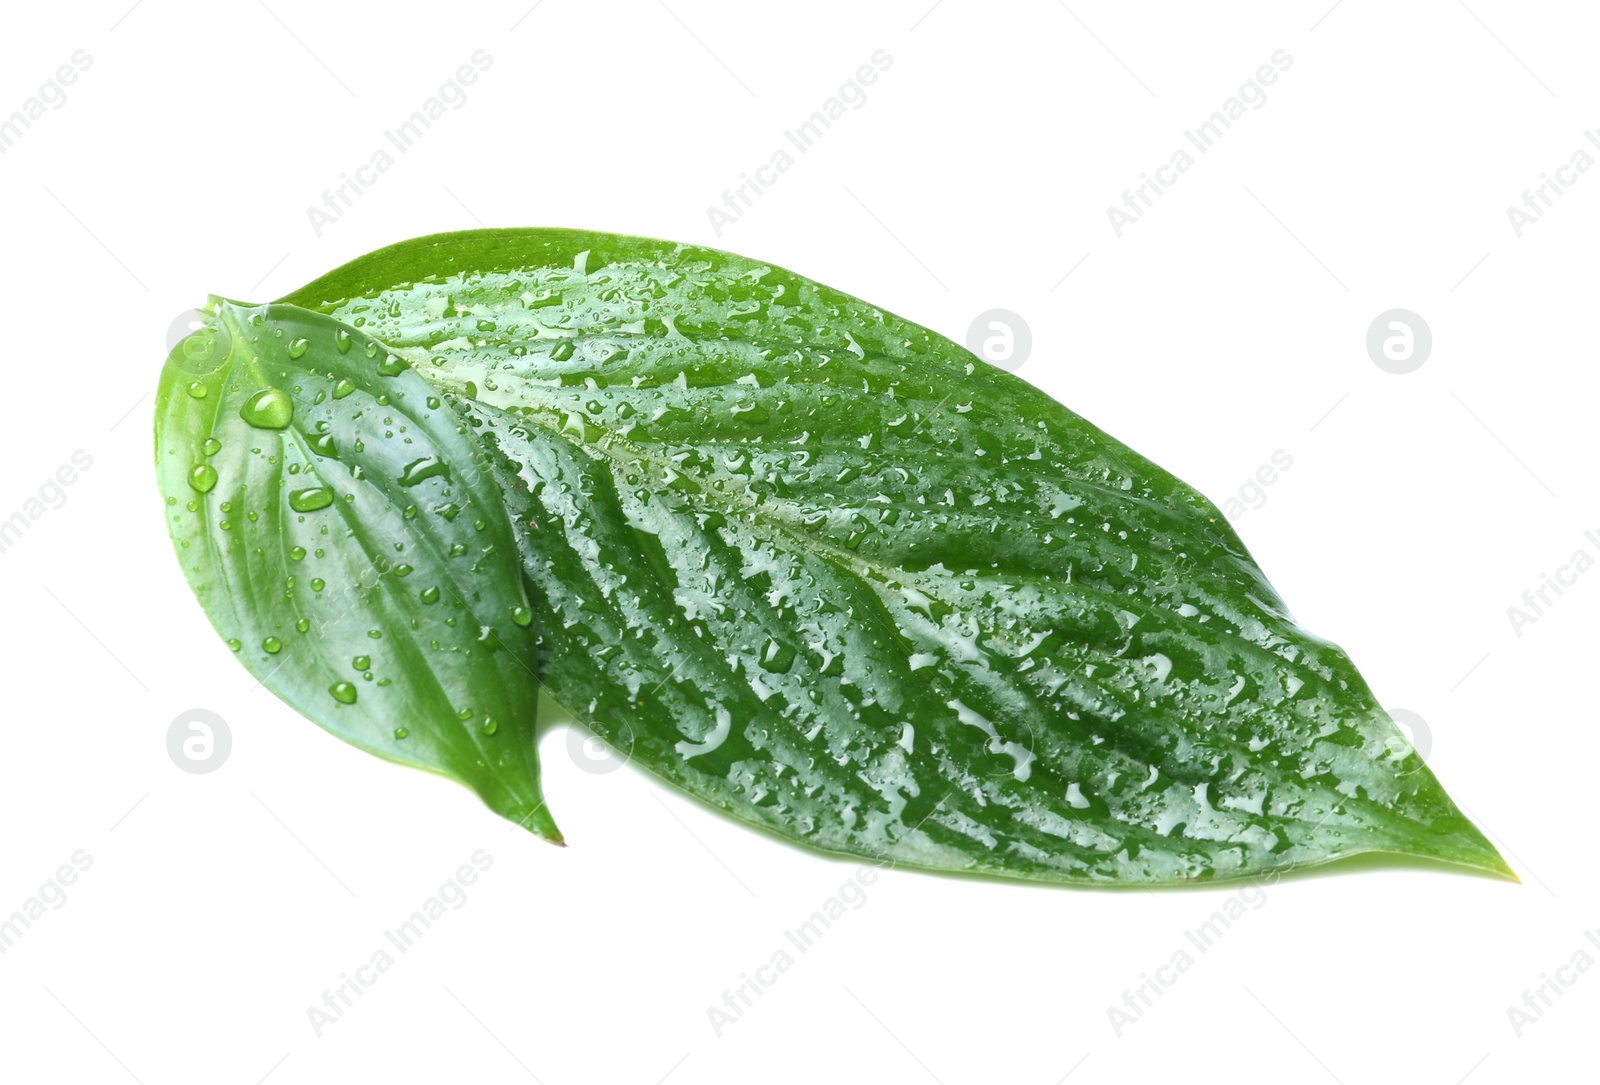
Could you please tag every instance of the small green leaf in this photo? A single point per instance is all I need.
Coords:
(305, 475)
(827, 571)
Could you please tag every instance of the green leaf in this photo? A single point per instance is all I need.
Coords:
(339, 527)
(825, 570)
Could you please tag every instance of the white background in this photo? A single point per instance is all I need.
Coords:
(1227, 324)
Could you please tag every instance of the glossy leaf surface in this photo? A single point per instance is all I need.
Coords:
(825, 570)
(337, 523)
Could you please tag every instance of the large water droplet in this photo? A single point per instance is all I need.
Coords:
(427, 467)
(202, 477)
(270, 408)
(777, 657)
(310, 500)
(343, 692)
(297, 349)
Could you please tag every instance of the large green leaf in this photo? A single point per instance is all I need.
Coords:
(827, 571)
(338, 526)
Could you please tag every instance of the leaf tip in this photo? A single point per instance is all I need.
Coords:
(538, 821)
(1474, 850)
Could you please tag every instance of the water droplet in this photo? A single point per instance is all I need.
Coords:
(297, 349)
(342, 389)
(362, 663)
(343, 692)
(197, 390)
(402, 570)
(303, 625)
(270, 408)
(561, 351)
(401, 732)
(521, 615)
(297, 553)
(777, 657)
(211, 446)
(233, 644)
(430, 595)
(427, 467)
(310, 500)
(341, 339)
(272, 646)
(392, 366)
(317, 583)
(490, 725)
(202, 477)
